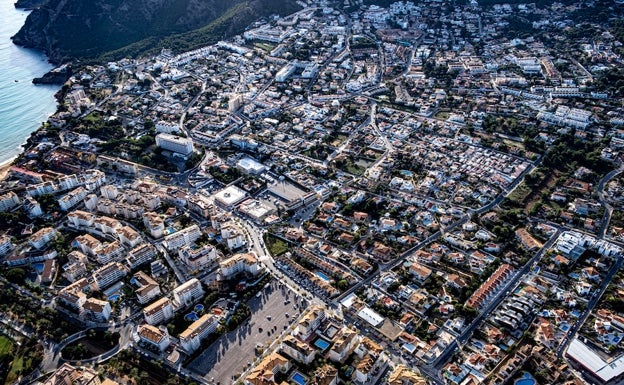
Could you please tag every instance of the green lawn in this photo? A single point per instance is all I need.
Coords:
(275, 245)
(265, 46)
(6, 345)
(519, 194)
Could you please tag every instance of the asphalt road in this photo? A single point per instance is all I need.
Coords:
(590, 306)
(606, 218)
(230, 354)
(493, 304)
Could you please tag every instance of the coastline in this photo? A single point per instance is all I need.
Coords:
(4, 168)
(24, 104)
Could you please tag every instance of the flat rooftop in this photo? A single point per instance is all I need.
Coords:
(230, 196)
(592, 361)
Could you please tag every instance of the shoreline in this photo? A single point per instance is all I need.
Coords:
(4, 168)
(31, 57)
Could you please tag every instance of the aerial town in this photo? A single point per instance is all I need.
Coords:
(353, 194)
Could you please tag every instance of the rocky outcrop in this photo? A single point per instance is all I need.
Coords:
(28, 4)
(56, 76)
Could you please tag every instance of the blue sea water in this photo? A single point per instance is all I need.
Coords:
(23, 105)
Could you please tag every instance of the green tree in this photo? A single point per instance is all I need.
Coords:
(16, 275)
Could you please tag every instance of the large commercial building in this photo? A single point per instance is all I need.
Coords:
(175, 143)
(593, 365)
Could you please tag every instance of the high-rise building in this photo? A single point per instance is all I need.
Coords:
(174, 143)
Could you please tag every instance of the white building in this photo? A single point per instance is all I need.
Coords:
(8, 201)
(108, 274)
(155, 336)
(310, 322)
(107, 225)
(32, 207)
(188, 292)
(233, 236)
(159, 311)
(41, 238)
(148, 289)
(190, 339)
(96, 310)
(174, 143)
(344, 344)
(239, 263)
(5, 244)
(109, 252)
(141, 254)
(283, 74)
(109, 191)
(76, 267)
(154, 224)
(298, 350)
(250, 166)
(79, 218)
(197, 257)
(74, 294)
(87, 244)
(167, 127)
(181, 238)
(72, 198)
(229, 196)
(128, 236)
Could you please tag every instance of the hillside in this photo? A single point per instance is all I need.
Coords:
(67, 29)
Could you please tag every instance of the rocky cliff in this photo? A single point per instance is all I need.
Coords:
(86, 29)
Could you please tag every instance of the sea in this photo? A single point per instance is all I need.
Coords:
(23, 105)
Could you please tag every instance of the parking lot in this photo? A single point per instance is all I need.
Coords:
(233, 352)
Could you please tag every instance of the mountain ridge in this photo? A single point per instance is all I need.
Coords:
(87, 30)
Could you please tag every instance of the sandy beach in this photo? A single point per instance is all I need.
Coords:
(4, 169)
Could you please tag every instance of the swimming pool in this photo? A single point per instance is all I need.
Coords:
(527, 379)
(322, 276)
(38, 267)
(321, 344)
(113, 297)
(192, 316)
(298, 378)
(199, 308)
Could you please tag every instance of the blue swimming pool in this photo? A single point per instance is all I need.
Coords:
(322, 276)
(321, 344)
(527, 379)
(192, 316)
(199, 308)
(113, 297)
(38, 267)
(298, 378)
